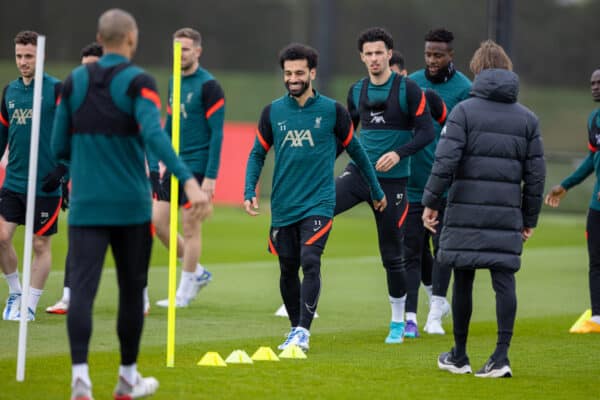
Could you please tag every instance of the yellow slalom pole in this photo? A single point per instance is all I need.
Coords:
(174, 210)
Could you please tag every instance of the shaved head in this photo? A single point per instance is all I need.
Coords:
(114, 26)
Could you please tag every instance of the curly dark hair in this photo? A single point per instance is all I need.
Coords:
(397, 59)
(298, 51)
(92, 49)
(375, 34)
(26, 37)
(440, 35)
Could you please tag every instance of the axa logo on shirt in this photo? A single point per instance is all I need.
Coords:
(377, 117)
(297, 138)
(20, 116)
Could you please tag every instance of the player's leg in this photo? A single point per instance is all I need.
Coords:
(440, 281)
(462, 308)
(314, 232)
(427, 265)
(161, 212)
(498, 365)
(350, 189)
(503, 283)
(390, 233)
(284, 242)
(45, 225)
(414, 240)
(87, 249)
(593, 244)
(131, 246)
(8, 262)
(12, 209)
(62, 305)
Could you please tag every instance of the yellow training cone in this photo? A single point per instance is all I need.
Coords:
(292, 351)
(587, 314)
(264, 354)
(212, 359)
(239, 357)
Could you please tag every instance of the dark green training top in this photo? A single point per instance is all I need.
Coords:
(109, 112)
(591, 162)
(15, 129)
(452, 91)
(201, 123)
(304, 141)
(393, 116)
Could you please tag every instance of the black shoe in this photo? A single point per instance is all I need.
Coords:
(449, 362)
(495, 369)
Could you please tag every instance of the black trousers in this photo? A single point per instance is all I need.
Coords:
(131, 247)
(593, 243)
(503, 283)
(352, 189)
(417, 252)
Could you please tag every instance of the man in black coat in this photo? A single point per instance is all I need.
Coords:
(490, 155)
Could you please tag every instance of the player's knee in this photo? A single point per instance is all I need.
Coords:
(289, 267)
(395, 264)
(311, 264)
(41, 245)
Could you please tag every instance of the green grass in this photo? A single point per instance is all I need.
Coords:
(348, 359)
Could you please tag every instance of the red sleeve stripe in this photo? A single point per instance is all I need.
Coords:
(319, 234)
(51, 221)
(3, 121)
(592, 148)
(152, 96)
(58, 99)
(262, 140)
(215, 107)
(169, 111)
(444, 114)
(422, 104)
(349, 137)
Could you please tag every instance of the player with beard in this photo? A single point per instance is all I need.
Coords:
(453, 87)
(303, 128)
(395, 124)
(15, 137)
(202, 119)
(590, 165)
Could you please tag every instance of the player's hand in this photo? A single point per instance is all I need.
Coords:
(156, 186)
(387, 161)
(66, 196)
(380, 205)
(526, 233)
(430, 219)
(200, 205)
(52, 181)
(251, 207)
(556, 194)
(208, 185)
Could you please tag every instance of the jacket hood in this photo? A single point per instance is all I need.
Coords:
(498, 85)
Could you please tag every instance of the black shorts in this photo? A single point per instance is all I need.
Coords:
(165, 182)
(287, 241)
(13, 207)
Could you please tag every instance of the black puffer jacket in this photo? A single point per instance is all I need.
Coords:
(491, 156)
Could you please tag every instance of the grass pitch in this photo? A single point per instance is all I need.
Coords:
(348, 359)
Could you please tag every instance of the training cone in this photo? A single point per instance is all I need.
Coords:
(212, 359)
(576, 328)
(264, 354)
(292, 351)
(239, 357)
(282, 312)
